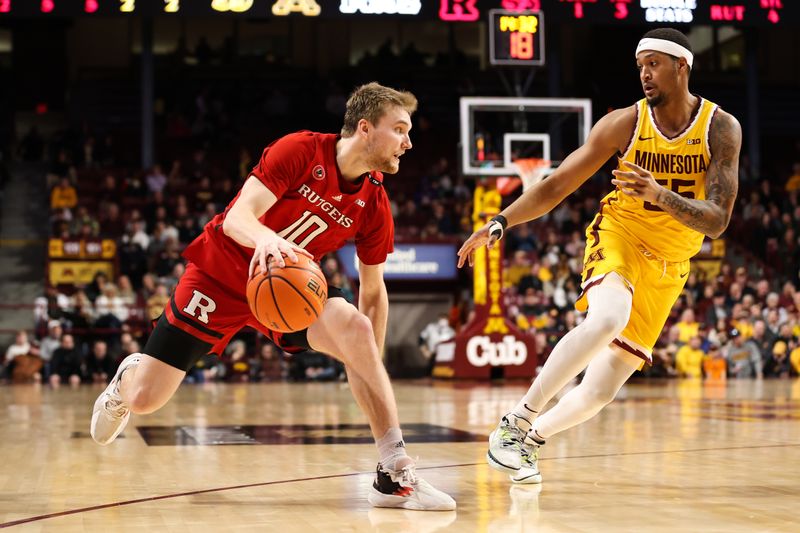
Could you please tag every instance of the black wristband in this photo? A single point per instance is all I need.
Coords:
(502, 220)
(497, 226)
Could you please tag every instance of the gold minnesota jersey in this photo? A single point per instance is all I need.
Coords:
(679, 163)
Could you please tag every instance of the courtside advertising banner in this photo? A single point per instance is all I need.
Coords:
(409, 262)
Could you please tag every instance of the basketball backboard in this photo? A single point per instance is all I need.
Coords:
(497, 130)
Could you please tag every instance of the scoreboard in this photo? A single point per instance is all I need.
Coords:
(642, 12)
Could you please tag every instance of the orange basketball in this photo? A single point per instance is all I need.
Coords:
(289, 298)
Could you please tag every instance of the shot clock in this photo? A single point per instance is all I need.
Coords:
(516, 37)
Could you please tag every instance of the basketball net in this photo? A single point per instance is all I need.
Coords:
(531, 170)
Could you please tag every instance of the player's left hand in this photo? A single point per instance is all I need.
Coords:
(475, 241)
(637, 182)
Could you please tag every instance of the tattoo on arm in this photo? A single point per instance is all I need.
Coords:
(711, 216)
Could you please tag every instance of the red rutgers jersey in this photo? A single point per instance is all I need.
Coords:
(316, 209)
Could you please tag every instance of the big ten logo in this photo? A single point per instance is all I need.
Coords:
(308, 8)
(458, 10)
(481, 351)
(314, 286)
(693, 141)
(237, 6)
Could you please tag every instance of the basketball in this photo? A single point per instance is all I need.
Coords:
(290, 298)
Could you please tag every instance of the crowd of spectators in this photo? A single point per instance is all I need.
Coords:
(737, 321)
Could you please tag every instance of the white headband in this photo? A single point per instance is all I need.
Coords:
(667, 47)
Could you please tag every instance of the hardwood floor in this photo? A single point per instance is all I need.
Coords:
(665, 456)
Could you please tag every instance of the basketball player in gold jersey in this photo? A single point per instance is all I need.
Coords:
(676, 183)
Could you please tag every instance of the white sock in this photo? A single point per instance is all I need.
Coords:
(392, 450)
(609, 310)
(607, 373)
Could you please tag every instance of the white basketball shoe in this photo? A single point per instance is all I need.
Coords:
(528, 472)
(110, 414)
(505, 446)
(403, 489)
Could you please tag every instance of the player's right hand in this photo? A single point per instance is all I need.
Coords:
(475, 241)
(273, 246)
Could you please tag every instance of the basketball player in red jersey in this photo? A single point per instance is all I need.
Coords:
(309, 194)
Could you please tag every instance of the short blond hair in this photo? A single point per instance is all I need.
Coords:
(370, 102)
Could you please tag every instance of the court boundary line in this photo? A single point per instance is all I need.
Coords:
(124, 503)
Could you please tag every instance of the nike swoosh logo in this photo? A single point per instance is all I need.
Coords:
(645, 138)
(684, 275)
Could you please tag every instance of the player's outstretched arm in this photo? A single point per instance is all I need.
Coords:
(610, 135)
(710, 216)
(373, 300)
(242, 225)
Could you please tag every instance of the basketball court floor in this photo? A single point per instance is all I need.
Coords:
(666, 456)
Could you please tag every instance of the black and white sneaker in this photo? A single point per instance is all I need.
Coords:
(528, 472)
(505, 446)
(110, 413)
(403, 489)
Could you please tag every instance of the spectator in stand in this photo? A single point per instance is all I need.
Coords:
(663, 363)
(793, 183)
(126, 294)
(689, 359)
(186, 225)
(156, 180)
(49, 344)
(68, 365)
(171, 280)
(237, 365)
(762, 336)
(269, 365)
(773, 303)
(773, 321)
(743, 357)
(157, 302)
(520, 267)
(203, 193)
(81, 310)
(434, 333)
(109, 191)
(208, 213)
(83, 224)
(63, 195)
(443, 219)
(100, 366)
(53, 305)
(112, 223)
(148, 286)
(132, 257)
(687, 327)
(111, 313)
(22, 346)
(714, 365)
(156, 208)
(778, 364)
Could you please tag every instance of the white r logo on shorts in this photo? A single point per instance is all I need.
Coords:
(202, 302)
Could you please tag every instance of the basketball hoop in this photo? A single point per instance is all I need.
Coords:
(532, 170)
